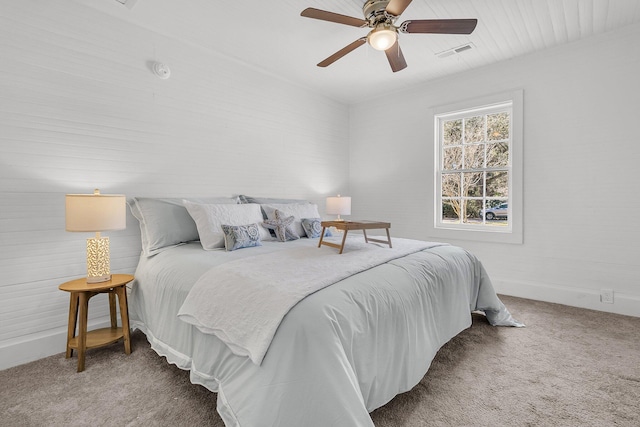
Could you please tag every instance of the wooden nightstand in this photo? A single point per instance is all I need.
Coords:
(81, 292)
(354, 225)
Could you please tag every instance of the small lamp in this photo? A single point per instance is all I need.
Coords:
(339, 206)
(96, 212)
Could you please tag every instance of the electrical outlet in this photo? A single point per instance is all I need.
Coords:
(606, 296)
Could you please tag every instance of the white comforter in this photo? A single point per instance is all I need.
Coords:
(339, 353)
(242, 302)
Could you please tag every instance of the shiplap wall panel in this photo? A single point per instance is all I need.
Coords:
(81, 109)
(580, 168)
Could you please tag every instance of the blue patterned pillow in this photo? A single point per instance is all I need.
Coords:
(313, 228)
(241, 236)
(282, 226)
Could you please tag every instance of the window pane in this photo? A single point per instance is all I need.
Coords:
(498, 184)
(497, 154)
(474, 129)
(452, 158)
(497, 126)
(474, 156)
(451, 210)
(472, 184)
(452, 132)
(494, 203)
(450, 185)
(472, 210)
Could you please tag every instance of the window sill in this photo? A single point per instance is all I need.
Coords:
(489, 236)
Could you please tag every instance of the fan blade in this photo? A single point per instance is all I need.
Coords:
(396, 58)
(323, 15)
(342, 52)
(396, 7)
(439, 26)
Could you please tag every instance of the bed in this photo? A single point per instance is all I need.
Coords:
(345, 347)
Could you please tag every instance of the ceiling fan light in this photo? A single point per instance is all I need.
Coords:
(382, 38)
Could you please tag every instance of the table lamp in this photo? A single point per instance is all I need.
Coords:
(339, 206)
(96, 212)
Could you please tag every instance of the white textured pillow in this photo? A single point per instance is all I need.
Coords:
(296, 210)
(209, 220)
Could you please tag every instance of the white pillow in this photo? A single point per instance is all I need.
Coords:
(209, 220)
(297, 210)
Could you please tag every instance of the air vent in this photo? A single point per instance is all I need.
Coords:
(455, 50)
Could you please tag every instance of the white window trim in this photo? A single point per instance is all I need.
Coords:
(486, 234)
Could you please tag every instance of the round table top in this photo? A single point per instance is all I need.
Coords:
(79, 285)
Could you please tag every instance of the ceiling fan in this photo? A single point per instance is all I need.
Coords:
(380, 16)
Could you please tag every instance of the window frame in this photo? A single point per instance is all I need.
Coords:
(513, 233)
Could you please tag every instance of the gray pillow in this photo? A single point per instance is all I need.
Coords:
(268, 200)
(165, 222)
(241, 236)
(313, 228)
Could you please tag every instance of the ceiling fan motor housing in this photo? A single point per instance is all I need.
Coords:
(375, 11)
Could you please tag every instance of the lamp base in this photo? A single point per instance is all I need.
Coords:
(98, 265)
(99, 279)
(339, 219)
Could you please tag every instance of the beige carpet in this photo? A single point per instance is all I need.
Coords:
(568, 367)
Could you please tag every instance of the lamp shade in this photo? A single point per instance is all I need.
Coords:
(95, 212)
(382, 37)
(339, 205)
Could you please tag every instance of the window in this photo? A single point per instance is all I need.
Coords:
(478, 182)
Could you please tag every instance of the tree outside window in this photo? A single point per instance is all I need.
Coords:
(474, 167)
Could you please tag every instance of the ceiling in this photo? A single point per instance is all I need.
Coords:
(272, 36)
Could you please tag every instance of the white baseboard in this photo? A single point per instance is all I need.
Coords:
(37, 346)
(628, 305)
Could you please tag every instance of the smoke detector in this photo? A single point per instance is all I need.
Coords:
(161, 70)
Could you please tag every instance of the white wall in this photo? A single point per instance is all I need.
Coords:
(81, 109)
(581, 151)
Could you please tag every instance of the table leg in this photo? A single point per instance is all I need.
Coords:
(124, 315)
(112, 309)
(389, 238)
(365, 236)
(322, 236)
(73, 321)
(82, 333)
(344, 238)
